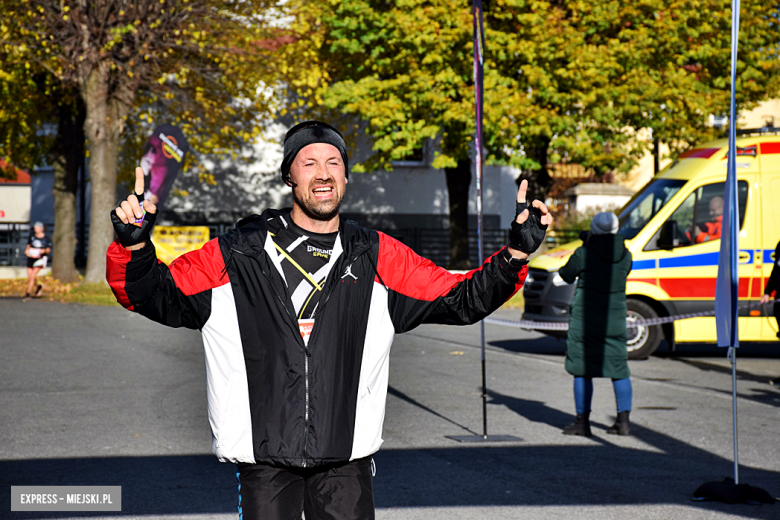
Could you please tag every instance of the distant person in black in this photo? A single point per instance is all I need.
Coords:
(773, 286)
(37, 252)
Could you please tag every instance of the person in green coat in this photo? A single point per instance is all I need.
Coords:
(596, 343)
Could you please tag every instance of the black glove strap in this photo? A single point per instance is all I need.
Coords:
(528, 236)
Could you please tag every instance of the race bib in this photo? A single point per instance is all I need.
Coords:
(305, 327)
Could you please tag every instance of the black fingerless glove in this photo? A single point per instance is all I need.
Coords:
(130, 234)
(519, 208)
(528, 236)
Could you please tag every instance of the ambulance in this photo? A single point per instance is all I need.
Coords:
(671, 227)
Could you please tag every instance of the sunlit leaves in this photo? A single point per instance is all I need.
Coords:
(574, 79)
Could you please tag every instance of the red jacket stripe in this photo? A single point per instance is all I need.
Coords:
(405, 272)
(117, 258)
(200, 270)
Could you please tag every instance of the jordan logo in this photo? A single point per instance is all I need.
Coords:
(349, 273)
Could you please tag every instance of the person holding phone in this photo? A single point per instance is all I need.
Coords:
(298, 309)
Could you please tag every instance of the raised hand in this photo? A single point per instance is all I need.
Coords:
(134, 218)
(528, 228)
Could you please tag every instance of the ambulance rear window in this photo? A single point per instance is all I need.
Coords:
(645, 204)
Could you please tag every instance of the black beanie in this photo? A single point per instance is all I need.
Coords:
(309, 132)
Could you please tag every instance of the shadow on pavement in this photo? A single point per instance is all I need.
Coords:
(486, 476)
(534, 411)
(543, 345)
(746, 350)
(706, 366)
(175, 485)
(402, 396)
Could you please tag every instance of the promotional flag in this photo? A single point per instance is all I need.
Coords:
(163, 157)
(727, 284)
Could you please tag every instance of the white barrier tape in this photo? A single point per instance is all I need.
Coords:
(529, 324)
(564, 325)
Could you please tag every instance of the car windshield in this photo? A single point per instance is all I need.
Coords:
(645, 204)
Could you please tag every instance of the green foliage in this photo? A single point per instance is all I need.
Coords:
(584, 76)
(404, 69)
(201, 64)
(565, 81)
(26, 104)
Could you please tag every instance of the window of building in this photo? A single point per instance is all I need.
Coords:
(417, 158)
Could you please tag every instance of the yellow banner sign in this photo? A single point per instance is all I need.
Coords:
(173, 241)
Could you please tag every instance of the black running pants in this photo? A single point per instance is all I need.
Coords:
(338, 492)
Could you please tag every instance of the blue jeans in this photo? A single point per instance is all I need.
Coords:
(583, 394)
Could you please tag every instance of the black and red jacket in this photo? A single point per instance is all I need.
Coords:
(272, 399)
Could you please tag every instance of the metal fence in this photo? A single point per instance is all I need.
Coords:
(435, 243)
(13, 240)
(430, 243)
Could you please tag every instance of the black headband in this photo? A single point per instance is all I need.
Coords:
(306, 133)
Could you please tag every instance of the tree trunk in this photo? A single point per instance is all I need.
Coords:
(66, 157)
(458, 181)
(103, 127)
(539, 180)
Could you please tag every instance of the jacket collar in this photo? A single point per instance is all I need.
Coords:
(252, 231)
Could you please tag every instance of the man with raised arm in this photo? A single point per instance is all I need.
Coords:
(298, 309)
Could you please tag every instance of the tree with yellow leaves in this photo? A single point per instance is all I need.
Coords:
(197, 63)
(566, 81)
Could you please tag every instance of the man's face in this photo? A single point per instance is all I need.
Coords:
(716, 207)
(318, 172)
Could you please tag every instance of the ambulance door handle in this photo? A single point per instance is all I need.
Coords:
(744, 257)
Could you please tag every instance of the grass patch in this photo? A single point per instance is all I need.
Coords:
(54, 290)
(91, 294)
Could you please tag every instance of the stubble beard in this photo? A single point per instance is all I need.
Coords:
(319, 210)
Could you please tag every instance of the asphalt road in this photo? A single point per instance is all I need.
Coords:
(100, 396)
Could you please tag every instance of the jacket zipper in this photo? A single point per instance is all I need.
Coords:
(305, 359)
(305, 347)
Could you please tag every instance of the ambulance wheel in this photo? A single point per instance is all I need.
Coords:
(642, 340)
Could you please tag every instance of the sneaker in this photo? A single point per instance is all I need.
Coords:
(39, 291)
